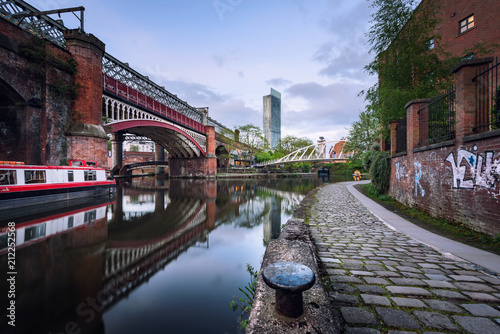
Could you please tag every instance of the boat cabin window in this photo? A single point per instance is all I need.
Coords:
(7, 177)
(90, 175)
(34, 232)
(71, 178)
(91, 163)
(3, 241)
(90, 216)
(34, 176)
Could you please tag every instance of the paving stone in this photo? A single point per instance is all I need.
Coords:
(405, 290)
(439, 284)
(371, 289)
(407, 281)
(376, 280)
(482, 296)
(438, 277)
(340, 272)
(408, 269)
(441, 305)
(330, 260)
(413, 275)
(375, 300)
(491, 280)
(343, 299)
(362, 273)
(385, 273)
(397, 318)
(481, 310)
(361, 331)
(435, 320)
(448, 294)
(466, 278)
(343, 288)
(428, 265)
(407, 302)
(356, 315)
(468, 272)
(400, 332)
(477, 325)
(344, 279)
(374, 267)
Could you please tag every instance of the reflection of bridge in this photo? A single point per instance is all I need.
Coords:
(327, 151)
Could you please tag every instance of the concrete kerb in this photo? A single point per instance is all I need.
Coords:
(294, 244)
(447, 247)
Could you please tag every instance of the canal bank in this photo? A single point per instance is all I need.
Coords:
(379, 277)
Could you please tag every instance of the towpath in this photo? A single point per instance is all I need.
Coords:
(389, 276)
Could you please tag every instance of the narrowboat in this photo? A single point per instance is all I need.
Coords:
(24, 185)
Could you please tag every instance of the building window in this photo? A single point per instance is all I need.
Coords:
(430, 44)
(466, 24)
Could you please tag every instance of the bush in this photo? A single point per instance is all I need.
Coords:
(380, 171)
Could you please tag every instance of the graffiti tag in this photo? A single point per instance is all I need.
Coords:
(483, 171)
(400, 170)
(418, 175)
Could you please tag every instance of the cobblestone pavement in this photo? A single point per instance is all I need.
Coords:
(382, 281)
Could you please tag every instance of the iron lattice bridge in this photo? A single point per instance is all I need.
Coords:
(328, 151)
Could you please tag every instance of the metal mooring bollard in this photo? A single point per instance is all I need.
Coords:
(289, 279)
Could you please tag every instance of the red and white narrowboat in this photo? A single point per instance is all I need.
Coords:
(23, 185)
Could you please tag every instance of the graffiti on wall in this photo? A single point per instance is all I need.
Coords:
(400, 170)
(418, 176)
(472, 169)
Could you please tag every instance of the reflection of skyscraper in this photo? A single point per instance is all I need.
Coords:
(272, 221)
(272, 118)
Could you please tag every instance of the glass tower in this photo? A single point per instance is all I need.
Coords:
(272, 118)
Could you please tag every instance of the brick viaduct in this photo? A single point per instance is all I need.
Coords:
(51, 103)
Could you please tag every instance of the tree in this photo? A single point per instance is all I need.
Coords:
(290, 144)
(134, 148)
(409, 59)
(362, 134)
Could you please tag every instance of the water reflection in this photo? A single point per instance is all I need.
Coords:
(158, 256)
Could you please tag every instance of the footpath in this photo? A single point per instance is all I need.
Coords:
(387, 275)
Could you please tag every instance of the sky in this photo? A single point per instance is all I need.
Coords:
(227, 54)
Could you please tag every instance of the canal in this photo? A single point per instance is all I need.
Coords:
(163, 256)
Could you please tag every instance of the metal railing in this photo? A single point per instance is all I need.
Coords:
(401, 136)
(437, 119)
(487, 98)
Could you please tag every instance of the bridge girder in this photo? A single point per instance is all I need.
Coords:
(177, 142)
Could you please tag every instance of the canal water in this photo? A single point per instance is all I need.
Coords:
(163, 256)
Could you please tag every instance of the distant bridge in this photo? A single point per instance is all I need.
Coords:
(328, 151)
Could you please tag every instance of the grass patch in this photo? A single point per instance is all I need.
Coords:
(440, 226)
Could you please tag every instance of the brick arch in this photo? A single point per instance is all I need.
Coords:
(177, 142)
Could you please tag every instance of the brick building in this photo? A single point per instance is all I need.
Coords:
(445, 154)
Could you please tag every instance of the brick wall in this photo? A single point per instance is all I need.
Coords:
(486, 24)
(33, 110)
(457, 179)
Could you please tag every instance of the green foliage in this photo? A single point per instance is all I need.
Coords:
(244, 304)
(134, 148)
(362, 134)
(290, 144)
(406, 68)
(380, 171)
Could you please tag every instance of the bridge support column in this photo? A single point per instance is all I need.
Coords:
(202, 167)
(159, 156)
(86, 137)
(117, 150)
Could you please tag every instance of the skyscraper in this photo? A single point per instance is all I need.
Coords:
(272, 118)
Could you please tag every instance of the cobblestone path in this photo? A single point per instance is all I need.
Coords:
(382, 281)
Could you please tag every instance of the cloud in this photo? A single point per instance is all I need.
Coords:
(329, 109)
(347, 51)
(278, 82)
